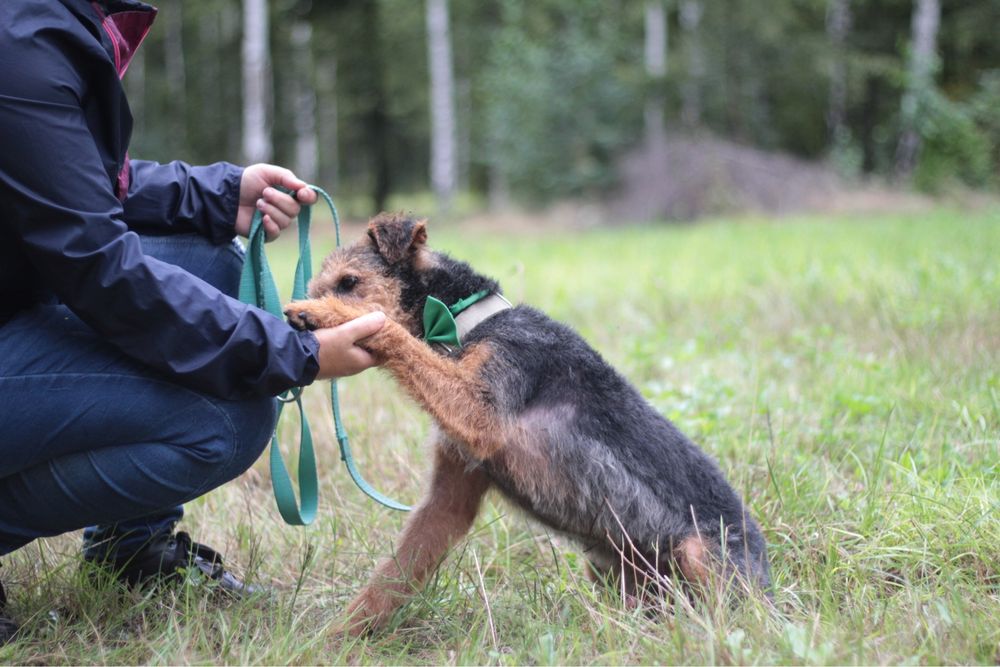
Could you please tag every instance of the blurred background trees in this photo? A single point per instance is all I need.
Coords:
(532, 101)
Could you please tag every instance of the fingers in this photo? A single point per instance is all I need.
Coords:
(362, 327)
(285, 178)
(279, 210)
(356, 360)
(307, 196)
(259, 189)
(338, 355)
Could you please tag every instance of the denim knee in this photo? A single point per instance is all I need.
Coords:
(245, 429)
(218, 265)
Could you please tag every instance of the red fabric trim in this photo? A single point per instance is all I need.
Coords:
(126, 30)
(124, 179)
(131, 28)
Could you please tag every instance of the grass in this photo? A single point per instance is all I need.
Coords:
(844, 371)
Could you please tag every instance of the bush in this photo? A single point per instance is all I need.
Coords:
(558, 110)
(954, 145)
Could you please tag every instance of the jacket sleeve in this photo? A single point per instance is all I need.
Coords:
(58, 205)
(178, 197)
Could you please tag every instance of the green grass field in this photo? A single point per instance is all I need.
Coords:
(845, 372)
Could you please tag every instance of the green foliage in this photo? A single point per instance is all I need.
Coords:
(550, 93)
(954, 146)
(984, 107)
(559, 109)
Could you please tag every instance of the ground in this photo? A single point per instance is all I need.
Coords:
(844, 370)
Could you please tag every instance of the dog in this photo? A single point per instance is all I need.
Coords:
(524, 405)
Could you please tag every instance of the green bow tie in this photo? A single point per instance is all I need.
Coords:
(439, 319)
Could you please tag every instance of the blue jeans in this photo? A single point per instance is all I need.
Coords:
(89, 437)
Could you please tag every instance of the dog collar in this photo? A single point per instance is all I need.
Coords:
(446, 325)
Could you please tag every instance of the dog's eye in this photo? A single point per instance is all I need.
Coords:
(346, 284)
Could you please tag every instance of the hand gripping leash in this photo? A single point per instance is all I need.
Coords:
(257, 287)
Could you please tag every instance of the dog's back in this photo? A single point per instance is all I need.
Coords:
(596, 461)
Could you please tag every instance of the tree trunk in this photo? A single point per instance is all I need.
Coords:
(442, 104)
(257, 83)
(838, 24)
(923, 56)
(870, 114)
(656, 69)
(209, 136)
(329, 142)
(306, 160)
(377, 117)
(691, 12)
(463, 133)
(499, 189)
(173, 55)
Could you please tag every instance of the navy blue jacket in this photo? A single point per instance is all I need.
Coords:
(71, 202)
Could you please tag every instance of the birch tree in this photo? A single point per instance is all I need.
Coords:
(306, 160)
(256, 83)
(656, 68)
(442, 160)
(173, 56)
(691, 12)
(838, 24)
(920, 77)
(327, 119)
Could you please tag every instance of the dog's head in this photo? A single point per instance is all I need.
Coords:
(391, 269)
(385, 270)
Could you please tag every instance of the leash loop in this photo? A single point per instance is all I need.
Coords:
(258, 288)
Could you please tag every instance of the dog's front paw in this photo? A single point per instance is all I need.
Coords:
(300, 318)
(368, 613)
(313, 314)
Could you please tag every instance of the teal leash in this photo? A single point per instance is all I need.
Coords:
(257, 287)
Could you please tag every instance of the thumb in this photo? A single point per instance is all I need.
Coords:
(286, 178)
(364, 326)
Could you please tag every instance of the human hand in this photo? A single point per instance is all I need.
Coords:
(338, 353)
(258, 191)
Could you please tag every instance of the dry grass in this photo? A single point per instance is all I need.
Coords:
(845, 372)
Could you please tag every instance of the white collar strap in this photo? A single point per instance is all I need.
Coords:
(467, 320)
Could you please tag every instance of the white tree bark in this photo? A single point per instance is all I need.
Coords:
(257, 83)
(838, 25)
(923, 62)
(691, 12)
(326, 90)
(442, 103)
(656, 67)
(306, 161)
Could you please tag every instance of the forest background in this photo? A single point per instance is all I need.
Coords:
(667, 109)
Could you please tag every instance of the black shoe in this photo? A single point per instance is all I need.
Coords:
(171, 558)
(8, 628)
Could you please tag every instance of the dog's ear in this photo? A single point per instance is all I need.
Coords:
(397, 236)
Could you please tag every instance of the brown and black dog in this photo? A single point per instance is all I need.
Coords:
(526, 406)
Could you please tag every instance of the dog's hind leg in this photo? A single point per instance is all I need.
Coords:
(442, 518)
